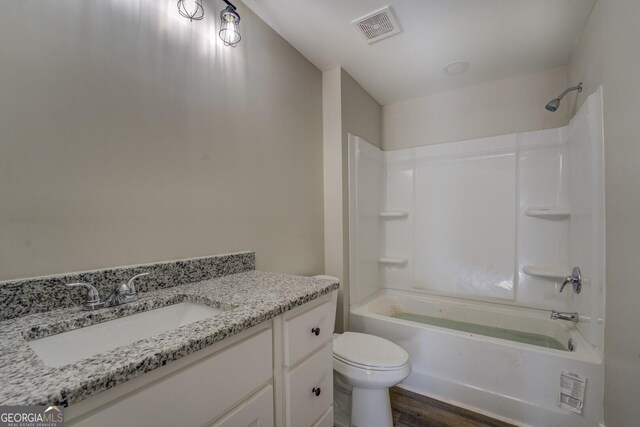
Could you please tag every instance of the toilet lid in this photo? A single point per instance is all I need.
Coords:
(369, 351)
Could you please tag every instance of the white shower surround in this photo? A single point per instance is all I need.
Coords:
(461, 221)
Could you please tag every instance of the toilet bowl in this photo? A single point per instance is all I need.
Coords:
(370, 365)
(367, 365)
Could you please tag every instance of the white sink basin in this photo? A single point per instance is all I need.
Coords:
(79, 344)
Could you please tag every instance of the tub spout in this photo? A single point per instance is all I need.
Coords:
(571, 317)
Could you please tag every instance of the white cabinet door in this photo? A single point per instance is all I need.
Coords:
(307, 332)
(255, 412)
(309, 388)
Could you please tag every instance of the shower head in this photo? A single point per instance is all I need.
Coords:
(555, 102)
(553, 105)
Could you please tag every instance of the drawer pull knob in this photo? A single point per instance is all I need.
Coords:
(316, 332)
(316, 391)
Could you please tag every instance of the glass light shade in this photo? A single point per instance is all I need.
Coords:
(230, 27)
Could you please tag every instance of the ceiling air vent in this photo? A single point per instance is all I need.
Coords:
(377, 25)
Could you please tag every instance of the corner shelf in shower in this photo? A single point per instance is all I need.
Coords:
(547, 272)
(547, 213)
(393, 261)
(392, 215)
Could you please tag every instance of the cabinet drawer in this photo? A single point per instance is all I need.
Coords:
(306, 332)
(255, 412)
(304, 405)
(195, 395)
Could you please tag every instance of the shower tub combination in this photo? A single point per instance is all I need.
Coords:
(457, 253)
(503, 361)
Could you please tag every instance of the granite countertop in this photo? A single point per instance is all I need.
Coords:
(248, 298)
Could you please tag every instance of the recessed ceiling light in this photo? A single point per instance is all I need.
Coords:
(456, 67)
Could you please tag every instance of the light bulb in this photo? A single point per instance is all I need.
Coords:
(229, 27)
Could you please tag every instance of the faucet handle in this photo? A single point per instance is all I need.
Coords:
(575, 279)
(92, 300)
(92, 293)
(131, 285)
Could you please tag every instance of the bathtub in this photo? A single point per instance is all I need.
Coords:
(517, 382)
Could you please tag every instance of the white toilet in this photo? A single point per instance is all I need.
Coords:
(370, 365)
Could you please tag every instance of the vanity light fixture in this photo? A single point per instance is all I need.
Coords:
(230, 25)
(192, 10)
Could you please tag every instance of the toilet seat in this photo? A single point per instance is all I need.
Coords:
(370, 368)
(369, 352)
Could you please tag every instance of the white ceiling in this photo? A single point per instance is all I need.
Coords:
(500, 38)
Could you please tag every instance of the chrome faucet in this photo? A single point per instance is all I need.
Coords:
(126, 292)
(571, 317)
(121, 294)
(575, 279)
(92, 301)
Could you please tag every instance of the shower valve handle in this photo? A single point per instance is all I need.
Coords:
(575, 279)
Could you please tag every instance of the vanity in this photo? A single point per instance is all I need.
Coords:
(239, 348)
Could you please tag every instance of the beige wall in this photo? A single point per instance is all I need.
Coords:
(489, 109)
(587, 61)
(347, 108)
(332, 167)
(361, 113)
(130, 135)
(608, 54)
